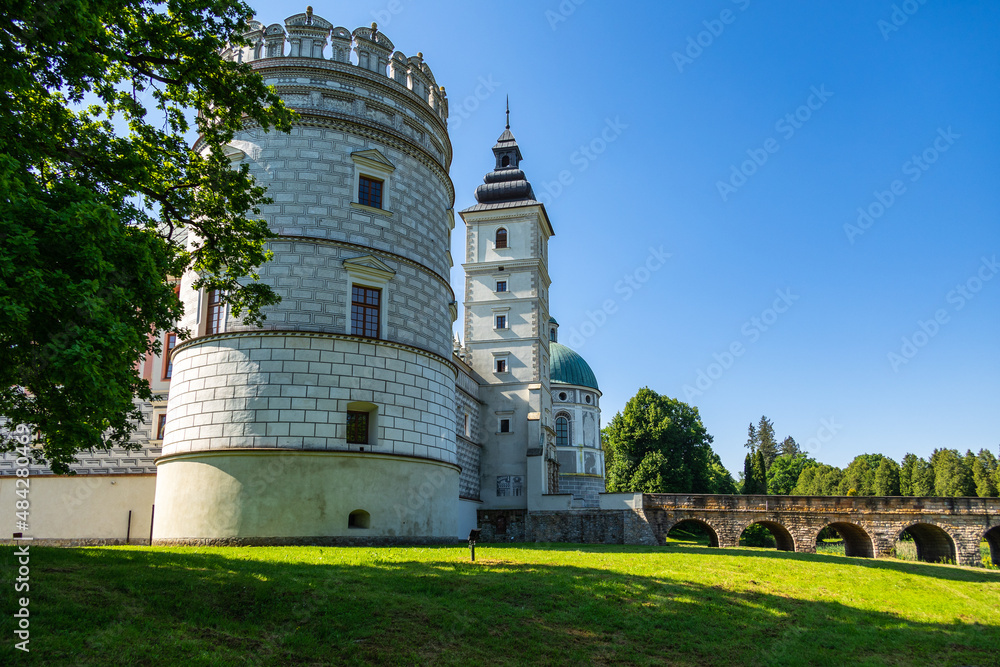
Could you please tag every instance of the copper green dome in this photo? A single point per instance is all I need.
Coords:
(568, 367)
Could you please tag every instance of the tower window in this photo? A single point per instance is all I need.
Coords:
(161, 426)
(168, 346)
(562, 432)
(505, 426)
(501, 238)
(357, 428)
(370, 192)
(501, 285)
(505, 162)
(501, 365)
(215, 310)
(365, 311)
(501, 321)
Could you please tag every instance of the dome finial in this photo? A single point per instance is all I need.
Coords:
(508, 112)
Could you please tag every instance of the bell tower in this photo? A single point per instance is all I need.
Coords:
(507, 332)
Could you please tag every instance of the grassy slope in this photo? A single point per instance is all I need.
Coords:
(564, 604)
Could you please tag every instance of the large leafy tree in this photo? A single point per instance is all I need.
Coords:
(984, 474)
(659, 445)
(952, 477)
(99, 187)
(784, 473)
(887, 478)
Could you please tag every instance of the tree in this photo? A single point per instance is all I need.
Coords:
(860, 475)
(758, 475)
(951, 475)
(887, 478)
(720, 480)
(98, 191)
(922, 481)
(752, 439)
(659, 445)
(783, 475)
(906, 474)
(766, 442)
(818, 479)
(789, 447)
(984, 470)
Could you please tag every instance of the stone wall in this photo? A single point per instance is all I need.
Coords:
(291, 390)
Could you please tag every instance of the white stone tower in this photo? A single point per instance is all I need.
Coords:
(507, 334)
(335, 421)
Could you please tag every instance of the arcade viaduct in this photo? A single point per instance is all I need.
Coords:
(942, 528)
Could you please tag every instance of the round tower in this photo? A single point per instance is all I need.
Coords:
(334, 422)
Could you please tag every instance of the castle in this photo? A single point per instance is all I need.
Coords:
(353, 415)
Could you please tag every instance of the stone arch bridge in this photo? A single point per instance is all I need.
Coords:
(944, 529)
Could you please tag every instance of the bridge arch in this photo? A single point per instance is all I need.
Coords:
(857, 542)
(992, 537)
(783, 540)
(934, 543)
(713, 534)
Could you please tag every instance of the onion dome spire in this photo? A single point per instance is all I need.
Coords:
(506, 183)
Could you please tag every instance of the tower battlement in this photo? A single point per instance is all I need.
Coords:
(309, 36)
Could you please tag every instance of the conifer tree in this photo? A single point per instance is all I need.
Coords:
(789, 447)
(766, 442)
(759, 474)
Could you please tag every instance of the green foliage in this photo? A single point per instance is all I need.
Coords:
(887, 478)
(756, 535)
(818, 479)
(952, 477)
(659, 445)
(98, 191)
(754, 477)
(783, 475)
(789, 447)
(860, 475)
(984, 474)
(906, 474)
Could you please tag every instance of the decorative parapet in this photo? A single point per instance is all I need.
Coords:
(309, 36)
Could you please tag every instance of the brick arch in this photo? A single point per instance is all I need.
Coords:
(934, 543)
(857, 542)
(713, 531)
(783, 539)
(992, 537)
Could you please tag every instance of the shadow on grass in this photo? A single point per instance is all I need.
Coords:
(152, 607)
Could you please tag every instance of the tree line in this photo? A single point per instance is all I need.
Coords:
(783, 469)
(658, 444)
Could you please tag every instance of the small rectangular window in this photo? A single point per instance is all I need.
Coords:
(370, 192)
(501, 365)
(161, 426)
(501, 285)
(365, 311)
(357, 428)
(501, 322)
(215, 310)
(468, 426)
(505, 426)
(168, 346)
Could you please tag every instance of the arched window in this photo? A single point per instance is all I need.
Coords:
(562, 431)
(359, 519)
(501, 238)
(505, 162)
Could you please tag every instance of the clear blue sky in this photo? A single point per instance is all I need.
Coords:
(866, 92)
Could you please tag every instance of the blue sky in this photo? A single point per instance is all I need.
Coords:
(742, 138)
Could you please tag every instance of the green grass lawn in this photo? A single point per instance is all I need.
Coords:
(518, 604)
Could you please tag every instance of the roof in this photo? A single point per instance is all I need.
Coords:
(568, 367)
